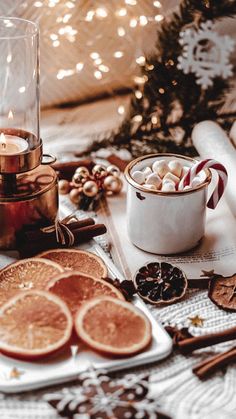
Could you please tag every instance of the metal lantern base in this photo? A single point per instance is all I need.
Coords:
(27, 200)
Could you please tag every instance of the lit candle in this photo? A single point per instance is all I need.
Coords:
(11, 145)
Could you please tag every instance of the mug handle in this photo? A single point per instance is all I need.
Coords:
(48, 159)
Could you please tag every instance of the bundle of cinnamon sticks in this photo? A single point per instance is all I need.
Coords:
(214, 363)
(30, 242)
(66, 170)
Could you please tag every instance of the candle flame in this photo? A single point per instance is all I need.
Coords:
(3, 141)
(10, 115)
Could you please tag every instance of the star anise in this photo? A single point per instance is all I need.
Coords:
(178, 334)
(126, 287)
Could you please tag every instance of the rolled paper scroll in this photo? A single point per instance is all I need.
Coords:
(232, 133)
(212, 142)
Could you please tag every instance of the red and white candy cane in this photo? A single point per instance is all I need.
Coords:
(222, 179)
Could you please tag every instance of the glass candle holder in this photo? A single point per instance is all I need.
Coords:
(28, 189)
(19, 95)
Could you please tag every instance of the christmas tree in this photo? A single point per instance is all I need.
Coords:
(169, 97)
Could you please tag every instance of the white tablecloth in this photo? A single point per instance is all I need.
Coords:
(180, 393)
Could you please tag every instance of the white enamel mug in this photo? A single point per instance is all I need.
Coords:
(165, 222)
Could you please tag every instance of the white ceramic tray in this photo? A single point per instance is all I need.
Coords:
(18, 376)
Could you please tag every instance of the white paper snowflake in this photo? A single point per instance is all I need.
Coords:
(98, 396)
(206, 54)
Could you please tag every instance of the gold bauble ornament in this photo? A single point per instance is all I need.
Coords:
(112, 184)
(82, 171)
(75, 196)
(90, 188)
(113, 170)
(99, 170)
(64, 186)
(78, 179)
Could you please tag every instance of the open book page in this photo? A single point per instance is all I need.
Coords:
(217, 249)
(7, 257)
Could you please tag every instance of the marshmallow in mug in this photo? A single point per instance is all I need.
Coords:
(154, 180)
(175, 168)
(170, 177)
(147, 171)
(160, 167)
(168, 187)
(165, 176)
(139, 177)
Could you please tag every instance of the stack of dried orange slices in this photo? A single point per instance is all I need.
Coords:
(43, 299)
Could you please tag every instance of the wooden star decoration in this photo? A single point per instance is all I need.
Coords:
(15, 373)
(208, 274)
(196, 321)
(178, 335)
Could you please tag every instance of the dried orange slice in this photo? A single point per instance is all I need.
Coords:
(34, 324)
(25, 275)
(113, 326)
(160, 283)
(77, 260)
(75, 288)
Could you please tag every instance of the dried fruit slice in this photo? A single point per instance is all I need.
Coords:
(160, 282)
(222, 292)
(75, 288)
(113, 326)
(78, 260)
(34, 324)
(25, 275)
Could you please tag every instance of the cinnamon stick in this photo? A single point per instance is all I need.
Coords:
(199, 283)
(67, 169)
(117, 161)
(80, 223)
(39, 234)
(209, 366)
(48, 241)
(189, 345)
(87, 233)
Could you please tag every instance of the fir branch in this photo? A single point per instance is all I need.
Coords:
(168, 87)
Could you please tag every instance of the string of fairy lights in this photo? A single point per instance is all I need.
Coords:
(123, 16)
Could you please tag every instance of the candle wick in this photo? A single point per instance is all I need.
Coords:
(4, 145)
